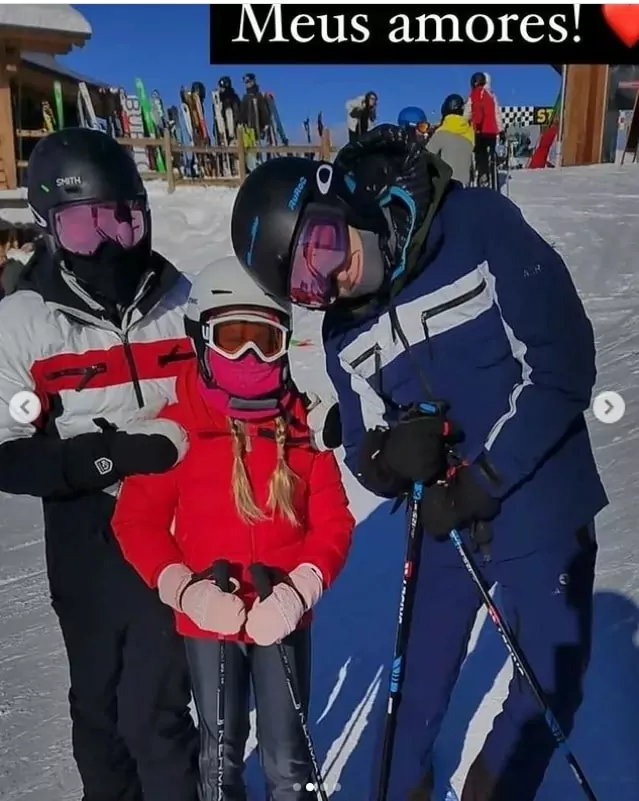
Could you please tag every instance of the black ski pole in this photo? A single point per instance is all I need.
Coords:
(404, 615)
(221, 575)
(521, 664)
(261, 576)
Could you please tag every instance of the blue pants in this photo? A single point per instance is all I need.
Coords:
(547, 600)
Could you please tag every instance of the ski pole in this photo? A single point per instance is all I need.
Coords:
(221, 575)
(404, 614)
(521, 664)
(263, 582)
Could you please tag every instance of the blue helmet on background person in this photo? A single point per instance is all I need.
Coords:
(412, 117)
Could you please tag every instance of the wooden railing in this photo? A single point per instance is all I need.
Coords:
(211, 158)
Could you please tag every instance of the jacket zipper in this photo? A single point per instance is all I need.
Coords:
(87, 373)
(374, 350)
(130, 360)
(451, 304)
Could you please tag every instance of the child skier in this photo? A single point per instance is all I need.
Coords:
(250, 490)
(454, 139)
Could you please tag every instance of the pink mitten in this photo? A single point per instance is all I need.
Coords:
(278, 615)
(207, 606)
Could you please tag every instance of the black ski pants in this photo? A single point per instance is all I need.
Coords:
(485, 159)
(281, 744)
(132, 732)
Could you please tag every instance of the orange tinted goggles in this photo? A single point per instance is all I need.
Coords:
(234, 336)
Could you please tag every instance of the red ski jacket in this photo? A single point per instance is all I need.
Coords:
(484, 111)
(188, 514)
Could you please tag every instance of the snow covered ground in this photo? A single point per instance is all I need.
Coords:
(592, 217)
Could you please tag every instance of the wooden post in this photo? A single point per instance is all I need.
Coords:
(241, 154)
(8, 170)
(325, 145)
(168, 160)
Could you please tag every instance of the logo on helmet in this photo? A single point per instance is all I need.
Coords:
(72, 180)
(324, 178)
(297, 194)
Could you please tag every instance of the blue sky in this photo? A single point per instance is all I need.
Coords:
(167, 46)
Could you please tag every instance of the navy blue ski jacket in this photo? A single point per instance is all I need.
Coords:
(495, 323)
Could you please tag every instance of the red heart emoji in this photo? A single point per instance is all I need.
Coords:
(624, 21)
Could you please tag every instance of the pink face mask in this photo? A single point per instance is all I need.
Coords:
(246, 378)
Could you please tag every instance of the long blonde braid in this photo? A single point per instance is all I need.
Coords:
(281, 486)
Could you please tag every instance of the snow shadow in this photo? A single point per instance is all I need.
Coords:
(353, 638)
(606, 731)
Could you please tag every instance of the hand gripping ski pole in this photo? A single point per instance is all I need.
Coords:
(221, 575)
(263, 583)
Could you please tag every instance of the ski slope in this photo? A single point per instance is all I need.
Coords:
(592, 216)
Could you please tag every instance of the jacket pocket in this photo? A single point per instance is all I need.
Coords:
(85, 374)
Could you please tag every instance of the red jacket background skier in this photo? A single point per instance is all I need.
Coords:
(482, 109)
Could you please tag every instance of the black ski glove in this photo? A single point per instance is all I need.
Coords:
(416, 449)
(457, 504)
(96, 461)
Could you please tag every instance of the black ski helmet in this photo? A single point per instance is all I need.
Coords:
(224, 82)
(454, 104)
(477, 79)
(269, 207)
(80, 165)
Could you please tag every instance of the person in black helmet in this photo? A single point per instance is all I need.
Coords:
(230, 106)
(94, 332)
(482, 111)
(435, 292)
(454, 139)
(254, 111)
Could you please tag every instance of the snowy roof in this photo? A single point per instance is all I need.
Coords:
(47, 62)
(60, 18)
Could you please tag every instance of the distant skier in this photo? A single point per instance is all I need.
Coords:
(254, 111)
(251, 488)
(361, 115)
(414, 120)
(436, 292)
(482, 111)
(231, 106)
(454, 139)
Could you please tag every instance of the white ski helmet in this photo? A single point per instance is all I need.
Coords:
(221, 284)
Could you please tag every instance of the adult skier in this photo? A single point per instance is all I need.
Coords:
(254, 110)
(414, 120)
(361, 115)
(482, 111)
(454, 139)
(436, 292)
(94, 330)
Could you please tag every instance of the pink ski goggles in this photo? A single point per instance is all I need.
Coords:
(322, 250)
(83, 227)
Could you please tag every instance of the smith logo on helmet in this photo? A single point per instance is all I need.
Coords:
(73, 180)
(297, 194)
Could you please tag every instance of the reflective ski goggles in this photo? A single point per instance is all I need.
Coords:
(234, 334)
(83, 227)
(322, 250)
(421, 127)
